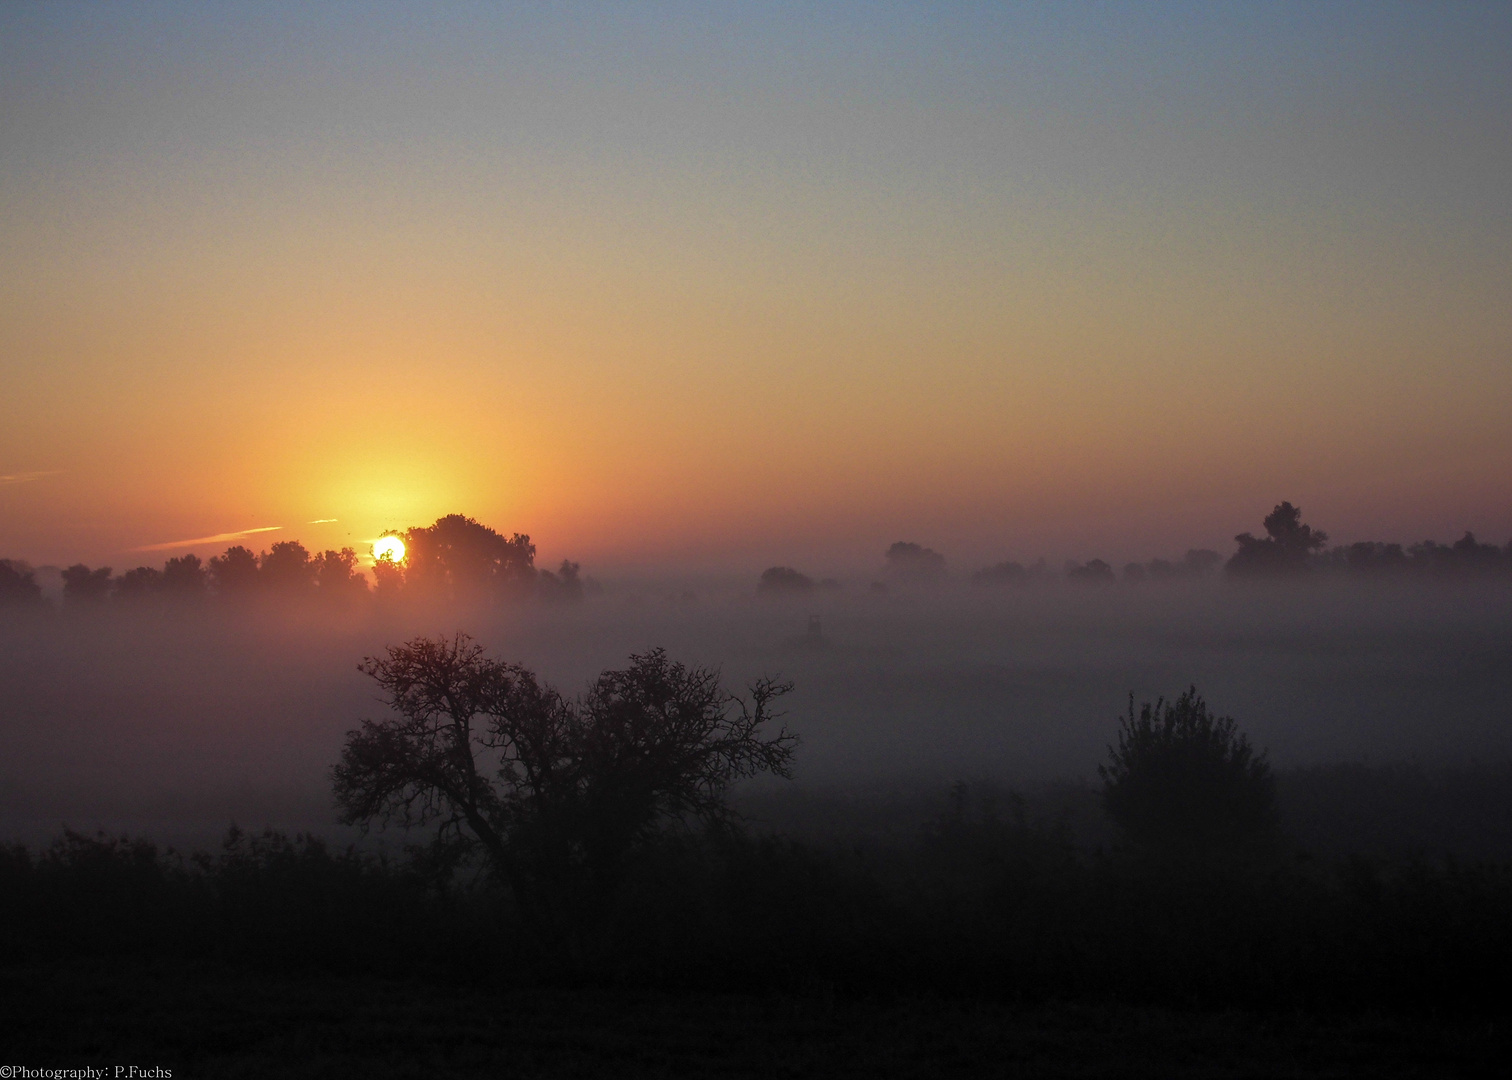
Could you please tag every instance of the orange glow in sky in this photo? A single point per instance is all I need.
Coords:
(752, 288)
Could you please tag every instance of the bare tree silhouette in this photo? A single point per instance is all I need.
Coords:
(555, 795)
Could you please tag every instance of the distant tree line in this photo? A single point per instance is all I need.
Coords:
(455, 559)
(459, 559)
(1288, 548)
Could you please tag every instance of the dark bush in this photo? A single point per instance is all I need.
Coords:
(1182, 776)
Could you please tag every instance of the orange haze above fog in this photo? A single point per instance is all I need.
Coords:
(731, 290)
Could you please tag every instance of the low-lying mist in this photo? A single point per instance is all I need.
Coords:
(174, 720)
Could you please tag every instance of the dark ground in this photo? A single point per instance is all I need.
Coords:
(210, 1022)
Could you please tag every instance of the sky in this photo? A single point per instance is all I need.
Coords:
(721, 286)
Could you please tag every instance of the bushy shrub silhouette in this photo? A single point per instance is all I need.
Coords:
(1182, 777)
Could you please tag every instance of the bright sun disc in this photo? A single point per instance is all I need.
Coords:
(388, 549)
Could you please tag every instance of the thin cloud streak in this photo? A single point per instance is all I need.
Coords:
(322, 521)
(26, 477)
(216, 539)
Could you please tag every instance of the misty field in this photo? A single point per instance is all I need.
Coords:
(175, 722)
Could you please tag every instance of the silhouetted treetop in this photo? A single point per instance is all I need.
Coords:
(183, 576)
(286, 566)
(18, 585)
(566, 584)
(784, 581)
(1285, 549)
(234, 572)
(337, 575)
(81, 585)
(1095, 572)
(913, 562)
(139, 584)
(459, 558)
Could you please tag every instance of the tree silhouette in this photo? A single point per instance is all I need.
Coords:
(565, 584)
(1095, 572)
(556, 795)
(138, 584)
(81, 585)
(286, 567)
(1371, 557)
(1182, 777)
(183, 577)
(1471, 556)
(912, 562)
(18, 585)
(458, 558)
(337, 576)
(234, 572)
(784, 581)
(388, 579)
(1284, 549)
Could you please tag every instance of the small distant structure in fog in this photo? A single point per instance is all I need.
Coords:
(812, 640)
(784, 581)
(907, 561)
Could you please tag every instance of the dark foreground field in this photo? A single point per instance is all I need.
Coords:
(985, 946)
(209, 1021)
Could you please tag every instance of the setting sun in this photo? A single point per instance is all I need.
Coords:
(388, 549)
